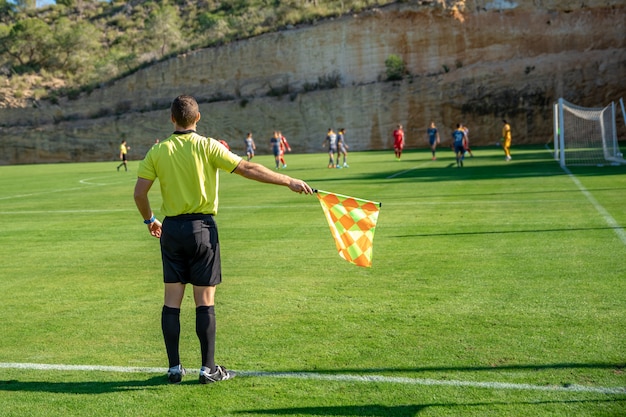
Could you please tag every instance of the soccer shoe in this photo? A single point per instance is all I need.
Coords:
(220, 374)
(175, 374)
(346, 165)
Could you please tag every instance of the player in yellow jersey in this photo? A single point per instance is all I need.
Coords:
(186, 165)
(506, 140)
(124, 148)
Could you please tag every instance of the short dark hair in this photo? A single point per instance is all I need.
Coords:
(185, 110)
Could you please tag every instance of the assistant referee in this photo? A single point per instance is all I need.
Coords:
(186, 165)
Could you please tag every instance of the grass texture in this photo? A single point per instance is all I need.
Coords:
(497, 289)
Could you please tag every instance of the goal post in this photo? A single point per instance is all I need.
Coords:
(585, 136)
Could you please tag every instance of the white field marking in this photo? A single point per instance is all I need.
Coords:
(397, 174)
(66, 211)
(332, 377)
(85, 181)
(617, 228)
(437, 382)
(58, 367)
(8, 197)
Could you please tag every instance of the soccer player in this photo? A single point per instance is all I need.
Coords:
(331, 141)
(467, 145)
(275, 144)
(223, 142)
(506, 140)
(433, 138)
(250, 146)
(124, 148)
(398, 142)
(458, 141)
(342, 148)
(284, 146)
(186, 165)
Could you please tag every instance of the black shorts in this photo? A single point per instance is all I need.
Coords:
(190, 250)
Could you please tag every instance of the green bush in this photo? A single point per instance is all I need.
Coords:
(395, 67)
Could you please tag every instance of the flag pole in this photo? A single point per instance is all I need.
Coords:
(379, 204)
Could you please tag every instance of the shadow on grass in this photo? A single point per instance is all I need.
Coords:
(363, 410)
(448, 171)
(417, 167)
(375, 410)
(86, 387)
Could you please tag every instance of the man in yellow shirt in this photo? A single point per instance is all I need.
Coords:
(186, 165)
(124, 148)
(506, 140)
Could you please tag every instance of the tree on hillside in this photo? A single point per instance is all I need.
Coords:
(26, 4)
(163, 29)
(76, 46)
(6, 10)
(28, 43)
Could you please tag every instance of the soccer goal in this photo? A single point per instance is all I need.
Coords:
(585, 136)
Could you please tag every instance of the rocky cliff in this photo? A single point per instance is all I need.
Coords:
(472, 61)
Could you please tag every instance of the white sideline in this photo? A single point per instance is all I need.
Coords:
(619, 230)
(397, 174)
(332, 377)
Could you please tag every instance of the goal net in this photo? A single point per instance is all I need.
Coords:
(585, 136)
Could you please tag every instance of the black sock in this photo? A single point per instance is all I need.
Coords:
(205, 329)
(170, 325)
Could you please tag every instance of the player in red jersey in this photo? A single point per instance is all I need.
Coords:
(223, 142)
(283, 145)
(398, 142)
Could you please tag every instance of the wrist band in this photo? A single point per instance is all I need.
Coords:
(150, 220)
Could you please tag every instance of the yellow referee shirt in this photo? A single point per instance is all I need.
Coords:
(506, 133)
(186, 165)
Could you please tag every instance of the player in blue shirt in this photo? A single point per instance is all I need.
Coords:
(459, 143)
(433, 138)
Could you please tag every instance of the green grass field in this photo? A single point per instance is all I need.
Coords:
(497, 289)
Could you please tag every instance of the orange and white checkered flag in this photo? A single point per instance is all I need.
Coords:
(352, 223)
